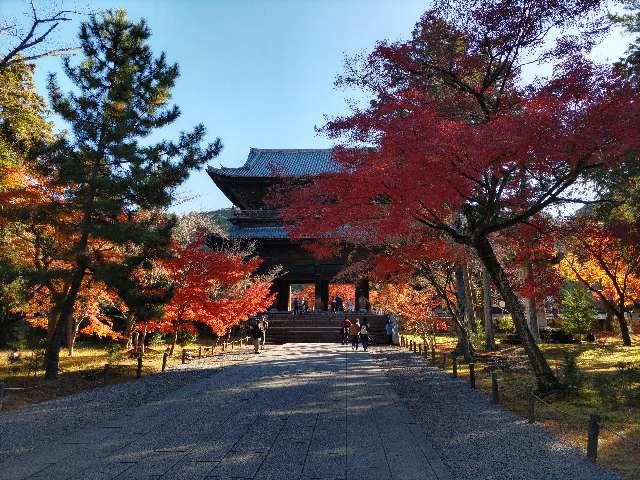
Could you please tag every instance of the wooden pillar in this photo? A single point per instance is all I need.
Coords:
(282, 301)
(322, 294)
(362, 294)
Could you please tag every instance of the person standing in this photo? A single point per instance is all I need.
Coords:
(354, 331)
(388, 329)
(265, 327)
(349, 306)
(296, 306)
(364, 335)
(344, 330)
(305, 305)
(256, 335)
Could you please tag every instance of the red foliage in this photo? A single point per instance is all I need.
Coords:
(214, 288)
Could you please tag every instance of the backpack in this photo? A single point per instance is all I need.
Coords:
(363, 330)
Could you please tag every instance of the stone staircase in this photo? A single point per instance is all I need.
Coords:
(313, 327)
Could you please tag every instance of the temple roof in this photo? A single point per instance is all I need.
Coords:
(282, 162)
(257, 232)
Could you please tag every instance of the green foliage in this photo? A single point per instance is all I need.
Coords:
(479, 337)
(186, 338)
(504, 324)
(115, 353)
(578, 311)
(572, 377)
(156, 339)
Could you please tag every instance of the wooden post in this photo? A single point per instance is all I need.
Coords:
(241, 342)
(164, 360)
(139, 369)
(444, 361)
(224, 346)
(2, 393)
(433, 355)
(420, 349)
(200, 352)
(426, 352)
(592, 440)
(105, 374)
(495, 394)
(531, 410)
(454, 365)
(472, 375)
(184, 356)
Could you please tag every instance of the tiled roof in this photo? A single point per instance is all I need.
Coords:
(257, 232)
(282, 162)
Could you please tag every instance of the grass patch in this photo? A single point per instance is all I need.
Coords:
(83, 371)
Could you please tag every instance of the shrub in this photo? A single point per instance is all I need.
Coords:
(504, 324)
(577, 309)
(185, 337)
(115, 352)
(572, 377)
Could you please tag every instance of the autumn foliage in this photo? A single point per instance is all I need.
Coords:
(215, 288)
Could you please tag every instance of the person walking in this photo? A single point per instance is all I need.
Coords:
(388, 329)
(364, 335)
(296, 306)
(256, 335)
(354, 331)
(344, 330)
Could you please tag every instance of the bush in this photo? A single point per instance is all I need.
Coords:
(504, 324)
(156, 339)
(572, 377)
(577, 310)
(115, 352)
(185, 338)
(555, 335)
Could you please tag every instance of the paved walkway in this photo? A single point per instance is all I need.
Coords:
(313, 411)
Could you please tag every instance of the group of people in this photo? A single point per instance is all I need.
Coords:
(356, 332)
(300, 306)
(258, 331)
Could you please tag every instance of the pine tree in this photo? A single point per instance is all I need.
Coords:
(107, 172)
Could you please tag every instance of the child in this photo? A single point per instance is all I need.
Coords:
(364, 335)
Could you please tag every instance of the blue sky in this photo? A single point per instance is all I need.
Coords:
(258, 73)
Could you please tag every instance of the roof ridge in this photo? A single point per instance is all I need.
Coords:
(289, 149)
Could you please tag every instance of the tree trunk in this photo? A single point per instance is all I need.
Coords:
(624, 327)
(488, 314)
(142, 340)
(173, 342)
(532, 318)
(547, 381)
(469, 303)
(52, 354)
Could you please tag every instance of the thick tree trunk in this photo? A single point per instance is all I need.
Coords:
(488, 314)
(464, 346)
(532, 318)
(52, 354)
(547, 382)
(624, 327)
(143, 339)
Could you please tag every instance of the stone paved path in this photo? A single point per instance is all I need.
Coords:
(312, 411)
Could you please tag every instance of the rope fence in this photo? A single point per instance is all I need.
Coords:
(588, 432)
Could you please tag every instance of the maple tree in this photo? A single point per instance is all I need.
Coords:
(606, 260)
(216, 288)
(460, 145)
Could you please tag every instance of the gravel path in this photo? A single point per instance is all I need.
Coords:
(476, 438)
(305, 411)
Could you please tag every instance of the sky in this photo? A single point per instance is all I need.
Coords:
(256, 73)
